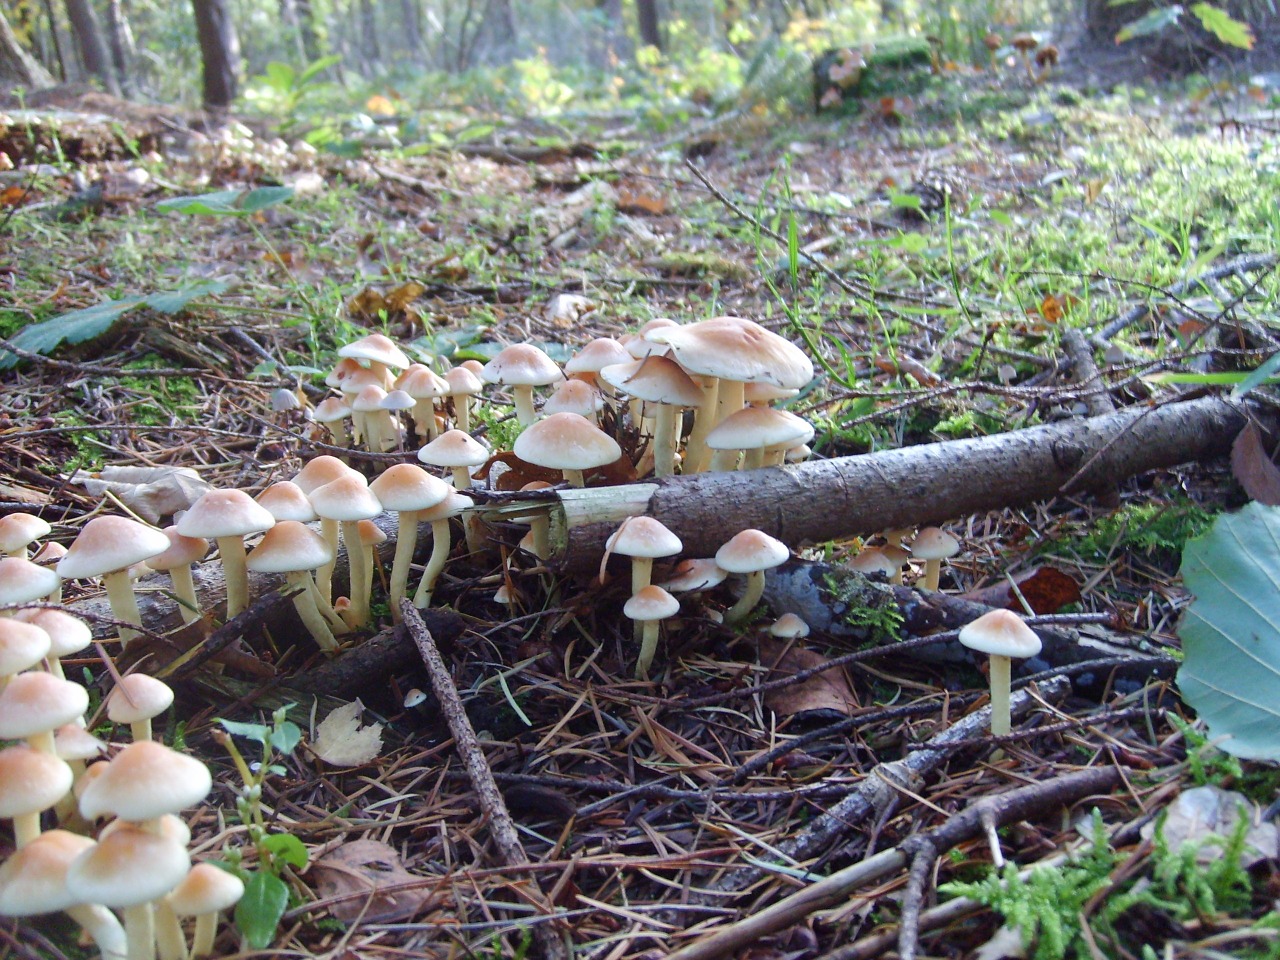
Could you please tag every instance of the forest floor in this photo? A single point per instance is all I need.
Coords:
(930, 252)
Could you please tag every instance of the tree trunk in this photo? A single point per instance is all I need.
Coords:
(496, 42)
(92, 45)
(410, 20)
(307, 28)
(56, 39)
(649, 24)
(370, 48)
(16, 64)
(122, 45)
(219, 52)
(827, 499)
(608, 45)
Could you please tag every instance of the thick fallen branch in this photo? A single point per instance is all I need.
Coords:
(827, 499)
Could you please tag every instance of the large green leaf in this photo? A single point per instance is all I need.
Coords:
(1224, 26)
(260, 909)
(1231, 632)
(78, 326)
(227, 203)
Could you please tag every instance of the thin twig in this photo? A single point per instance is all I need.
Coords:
(549, 939)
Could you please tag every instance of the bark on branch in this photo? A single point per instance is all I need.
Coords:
(827, 499)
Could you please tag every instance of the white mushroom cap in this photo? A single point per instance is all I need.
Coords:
(643, 537)
(22, 645)
(933, 543)
(873, 560)
(182, 551)
(369, 399)
(330, 410)
(358, 380)
(396, 400)
(145, 780)
(454, 448)
(224, 513)
(33, 880)
(341, 370)
(755, 427)
(451, 506)
(406, 486)
(566, 441)
(22, 581)
(651, 603)
(752, 550)
(37, 702)
(1000, 633)
(127, 867)
(522, 364)
(574, 396)
(348, 499)
(599, 353)
(112, 543)
(643, 345)
(736, 349)
(285, 500)
(30, 781)
(67, 634)
(789, 626)
(695, 575)
(288, 547)
(319, 471)
(370, 533)
(206, 889)
(422, 383)
(463, 382)
(73, 742)
(376, 348)
(50, 552)
(657, 379)
(138, 697)
(17, 530)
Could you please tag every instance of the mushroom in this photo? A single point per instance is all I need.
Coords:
(380, 430)
(285, 500)
(522, 366)
(789, 627)
(567, 442)
(658, 380)
(333, 413)
(177, 561)
(765, 434)
(22, 581)
(694, 575)
(349, 500)
(34, 881)
(34, 704)
(227, 516)
(575, 396)
(425, 386)
(602, 352)
(294, 549)
(751, 552)
(31, 781)
(204, 893)
(106, 547)
(379, 351)
(137, 700)
(18, 531)
(463, 385)
(1003, 636)
(458, 451)
(439, 517)
(647, 607)
(22, 646)
(933, 545)
(316, 473)
(408, 490)
(395, 403)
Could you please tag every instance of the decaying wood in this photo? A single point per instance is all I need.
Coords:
(840, 602)
(828, 499)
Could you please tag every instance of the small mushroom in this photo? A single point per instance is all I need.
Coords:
(648, 607)
(751, 552)
(1003, 636)
(933, 545)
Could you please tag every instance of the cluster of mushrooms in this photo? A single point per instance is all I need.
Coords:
(727, 372)
(139, 863)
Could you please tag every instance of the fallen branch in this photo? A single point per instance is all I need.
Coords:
(1001, 810)
(828, 499)
(501, 827)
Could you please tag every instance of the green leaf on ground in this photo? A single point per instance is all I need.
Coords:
(227, 203)
(1231, 632)
(1151, 23)
(259, 911)
(77, 326)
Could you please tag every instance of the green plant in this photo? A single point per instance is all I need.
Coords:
(281, 90)
(1205, 762)
(266, 893)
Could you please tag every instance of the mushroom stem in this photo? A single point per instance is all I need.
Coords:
(696, 451)
(169, 936)
(932, 574)
(1001, 669)
(406, 540)
(755, 590)
(26, 827)
(435, 564)
(461, 479)
(204, 935)
(725, 460)
(231, 550)
(324, 576)
(140, 931)
(462, 412)
(101, 924)
(140, 729)
(309, 613)
(124, 604)
(664, 441)
(522, 393)
(357, 574)
(541, 527)
(730, 398)
(336, 623)
(648, 647)
(184, 588)
(641, 577)
(574, 478)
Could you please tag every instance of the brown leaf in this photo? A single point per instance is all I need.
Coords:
(640, 204)
(1254, 469)
(368, 867)
(1046, 590)
(405, 294)
(366, 305)
(826, 691)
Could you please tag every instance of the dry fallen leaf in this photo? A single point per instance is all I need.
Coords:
(1254, 468)
(150, 492)
(826, 691)
(342, 742)
(368, 868)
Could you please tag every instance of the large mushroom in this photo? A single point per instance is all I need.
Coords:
(349, 500)
(227, 517)
(379, 352)
(751, 552)
(18, 531)
(569, 443)
(522, 366)
(106, 548)
(658, 380)
(294, 549)
(316, 473)
(407, 490)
